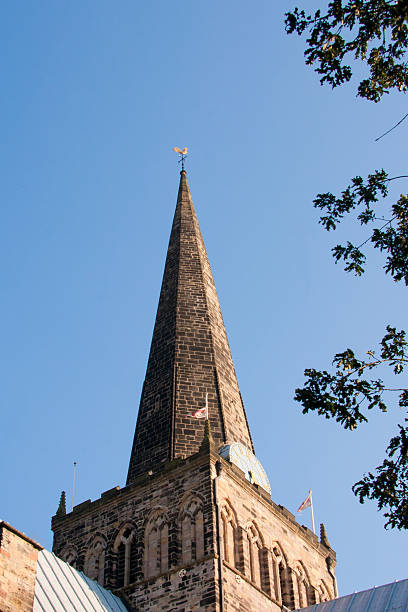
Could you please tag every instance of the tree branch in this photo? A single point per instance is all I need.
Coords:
(393, 128)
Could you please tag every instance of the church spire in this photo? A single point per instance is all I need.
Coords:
(189, 357)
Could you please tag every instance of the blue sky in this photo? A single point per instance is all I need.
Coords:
(95, 95)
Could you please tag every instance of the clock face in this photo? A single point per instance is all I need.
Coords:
(242, 457)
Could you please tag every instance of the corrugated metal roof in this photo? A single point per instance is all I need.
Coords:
(391, 597)
(60, 587)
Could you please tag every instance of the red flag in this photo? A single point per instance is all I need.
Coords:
(201, 413)
(307, 503)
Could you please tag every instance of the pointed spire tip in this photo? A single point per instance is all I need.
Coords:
(323, 536)
(62, 510)
(208, 440)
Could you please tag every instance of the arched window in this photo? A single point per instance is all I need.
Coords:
(323, 593)
(122, 548)
(230, 536)
(282, 580)
(94, 566)
(302, 586)
(253, 547)
(191, 524)
(256, 558)
(69, 554)
(156, 543)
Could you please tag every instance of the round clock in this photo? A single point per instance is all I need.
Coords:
(242, 457)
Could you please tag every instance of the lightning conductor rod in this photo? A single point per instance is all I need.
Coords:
(73, 485)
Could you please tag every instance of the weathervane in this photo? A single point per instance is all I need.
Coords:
(182, 153)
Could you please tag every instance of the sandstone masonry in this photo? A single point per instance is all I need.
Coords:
(18, 558)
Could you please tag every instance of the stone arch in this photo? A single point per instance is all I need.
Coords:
(156, 543)
(69, 554)
(94, 564)
(322, 592)
(230, 535)
(256, 563)
(123, 569)
(281, 576)
(302, 587)
(191, 529)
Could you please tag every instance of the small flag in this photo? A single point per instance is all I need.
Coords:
(306, 504)
(201, 413)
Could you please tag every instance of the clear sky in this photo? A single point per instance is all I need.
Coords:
(94, 97)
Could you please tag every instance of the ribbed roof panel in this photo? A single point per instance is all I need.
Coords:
(386, 598)
(60, 587)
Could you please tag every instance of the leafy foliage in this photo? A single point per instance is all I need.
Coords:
(372, 31)
(389, 487)
(391, 237)
(346, 395)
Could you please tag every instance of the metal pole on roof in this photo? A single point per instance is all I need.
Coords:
(73, 485)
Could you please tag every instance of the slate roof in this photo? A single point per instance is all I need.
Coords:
(391, 597)
(59, 587)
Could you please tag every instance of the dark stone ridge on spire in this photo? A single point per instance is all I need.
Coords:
(189, 357)
(323, 536)
(208, 440)
(62, 507)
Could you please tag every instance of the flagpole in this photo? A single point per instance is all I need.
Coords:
(206, 406)
(311, 510)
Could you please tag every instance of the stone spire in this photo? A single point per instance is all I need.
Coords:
(189, 357)
(62, 506)
(323, 535)
(207, 441)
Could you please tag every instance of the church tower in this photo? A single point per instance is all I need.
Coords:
(195, 527)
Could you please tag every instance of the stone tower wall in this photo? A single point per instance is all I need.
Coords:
(269, 560)
(175, 506)
(265, 558)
